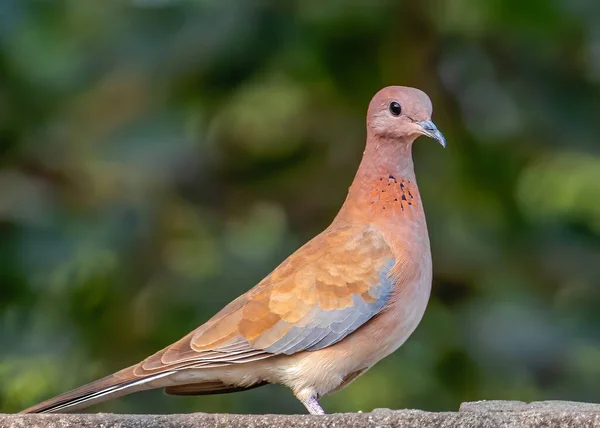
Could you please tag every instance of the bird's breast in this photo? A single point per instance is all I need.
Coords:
(412, 276)
(391, 196)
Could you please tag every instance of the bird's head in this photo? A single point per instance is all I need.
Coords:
(402, 113)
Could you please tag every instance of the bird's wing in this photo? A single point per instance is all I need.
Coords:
(320, 294)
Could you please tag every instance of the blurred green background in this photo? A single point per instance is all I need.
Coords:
(159, 157)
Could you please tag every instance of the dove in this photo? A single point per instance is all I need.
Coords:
(339, 304)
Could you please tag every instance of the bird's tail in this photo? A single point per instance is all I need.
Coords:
(107, 388)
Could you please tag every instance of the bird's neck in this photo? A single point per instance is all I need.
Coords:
(384, 186)
(383, 156)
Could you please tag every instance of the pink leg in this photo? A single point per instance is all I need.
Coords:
(313, 407)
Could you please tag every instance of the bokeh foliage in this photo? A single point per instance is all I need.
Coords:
(159, 157)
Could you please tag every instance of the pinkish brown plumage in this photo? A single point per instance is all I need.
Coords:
(334, 308)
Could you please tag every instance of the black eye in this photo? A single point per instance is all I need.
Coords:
(395, 108)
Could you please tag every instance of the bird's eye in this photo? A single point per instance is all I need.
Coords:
(395, 108)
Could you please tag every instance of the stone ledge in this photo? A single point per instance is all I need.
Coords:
(474, 414)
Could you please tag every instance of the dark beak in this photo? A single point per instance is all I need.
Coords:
(431, 130)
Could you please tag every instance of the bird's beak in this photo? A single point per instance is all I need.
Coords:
(428, 128)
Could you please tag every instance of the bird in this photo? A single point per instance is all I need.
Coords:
(339, 304)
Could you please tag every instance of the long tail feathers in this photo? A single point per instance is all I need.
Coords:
(104, 389)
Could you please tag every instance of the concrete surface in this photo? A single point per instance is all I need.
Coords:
(482, 414)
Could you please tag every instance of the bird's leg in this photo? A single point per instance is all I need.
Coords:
(313, 407)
